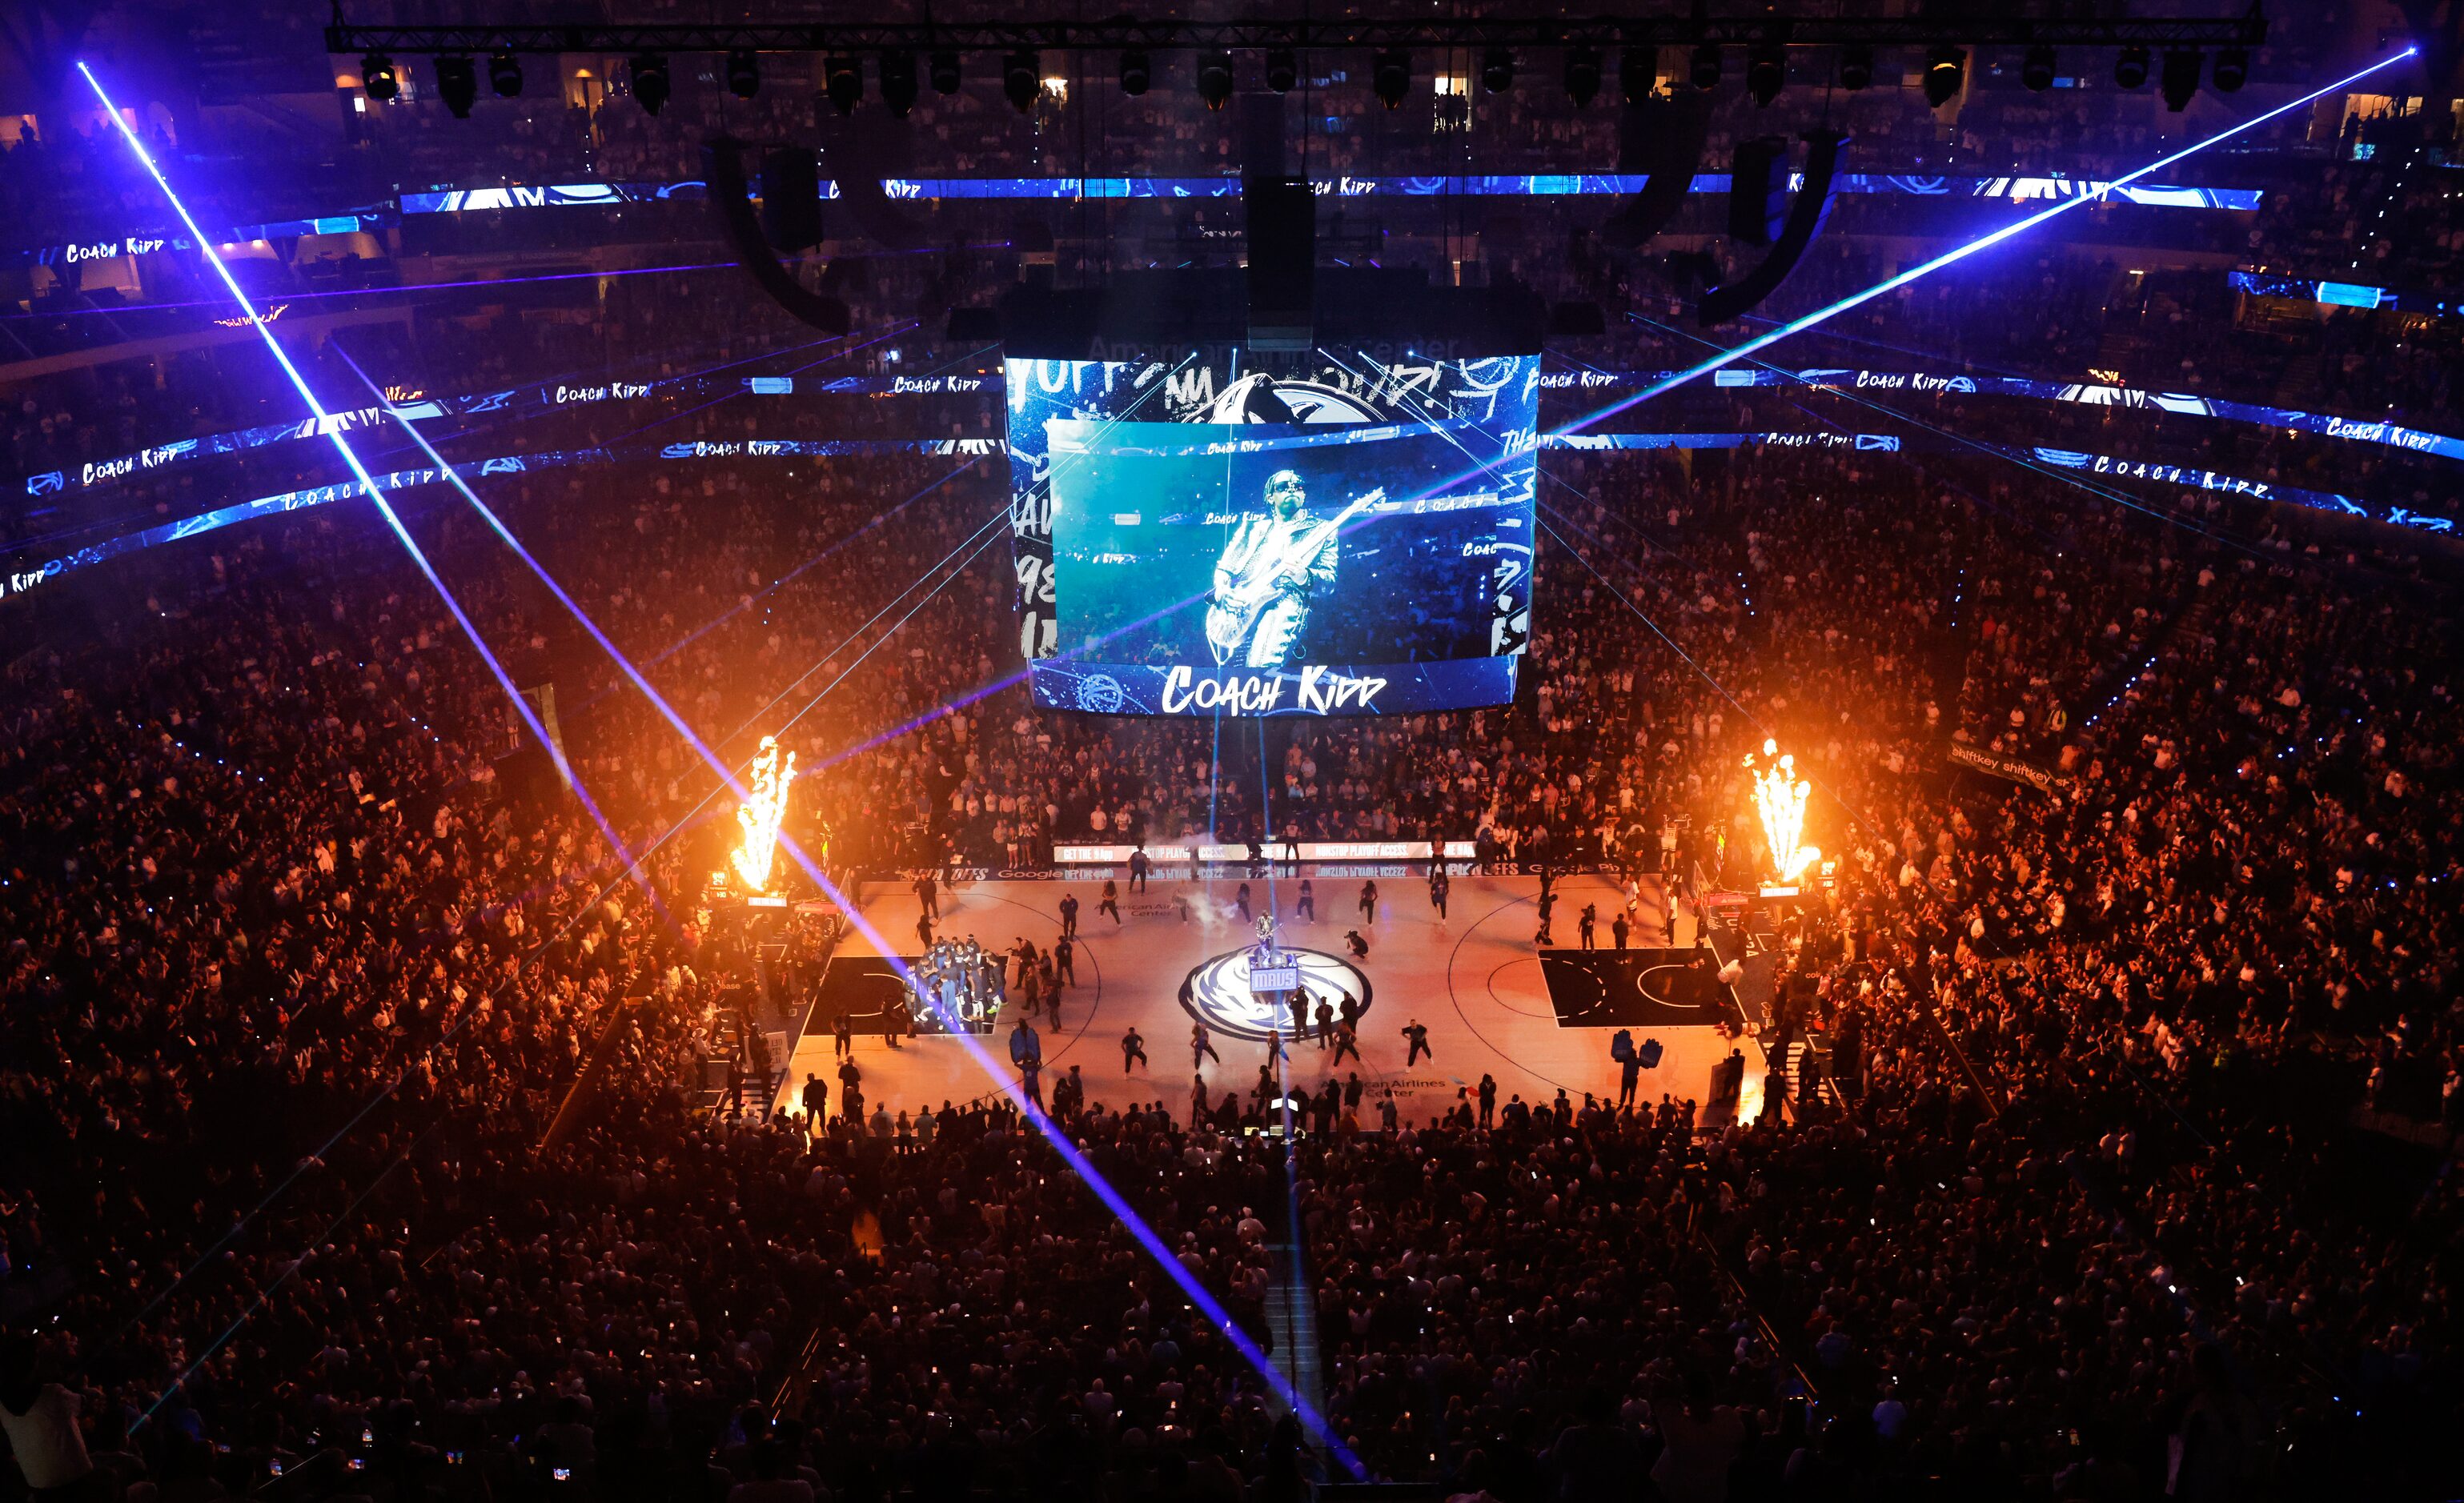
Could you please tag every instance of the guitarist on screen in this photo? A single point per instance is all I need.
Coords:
(1268, 574)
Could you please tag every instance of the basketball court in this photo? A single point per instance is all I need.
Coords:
(1491, 1001)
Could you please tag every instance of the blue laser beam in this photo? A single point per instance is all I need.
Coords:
(624, 665)
(1971, 497)
(1696, 372)
(987, 526)
(892, 333)
(394, 522)
(265, 1295)
(691, 819)
(2101, 492)
(879, 520)
(368, 482)
(2101, 192)
(631, 865)
(1103, 1189)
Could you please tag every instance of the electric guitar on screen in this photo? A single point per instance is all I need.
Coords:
(1232, 615)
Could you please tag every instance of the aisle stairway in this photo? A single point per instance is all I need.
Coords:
(1291, 1317)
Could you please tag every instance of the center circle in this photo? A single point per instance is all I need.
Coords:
(1217, 993)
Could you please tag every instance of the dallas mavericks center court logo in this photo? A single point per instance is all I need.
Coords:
(1217, 994)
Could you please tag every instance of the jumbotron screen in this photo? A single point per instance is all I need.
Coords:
(1222, 533)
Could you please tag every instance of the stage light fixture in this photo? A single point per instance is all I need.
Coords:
(650, 80)
(2103, 193)
(505, 75)
(744, 73)
(2130, 68)
(1215, 78)
(2232, 70)
(1137, 72)
(1766, 70)
(843, 80)
(1022, 79)
(1283, 69)
(1390, 77)
(2180, 81)
(1497, 70)
(1705, 71)
(378, 77)
(1857, 66)
(898, 81)
(944, 69)
(1582, 74)
(1637, 74)
(457, 83)
(1946, 70)
(2037, 70)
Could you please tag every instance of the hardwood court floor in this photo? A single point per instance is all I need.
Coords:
(1474, 980)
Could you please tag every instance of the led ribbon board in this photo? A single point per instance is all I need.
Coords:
(27, 576)
(508, 403)
(149, 240)
(2091, 394)
(1560, 184)
(1542, 185)
(523, 402)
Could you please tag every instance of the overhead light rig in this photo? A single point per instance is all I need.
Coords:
(1123, 33)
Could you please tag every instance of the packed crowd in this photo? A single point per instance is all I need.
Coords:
(269, 861)
(356, 1107)
(2080, 316)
